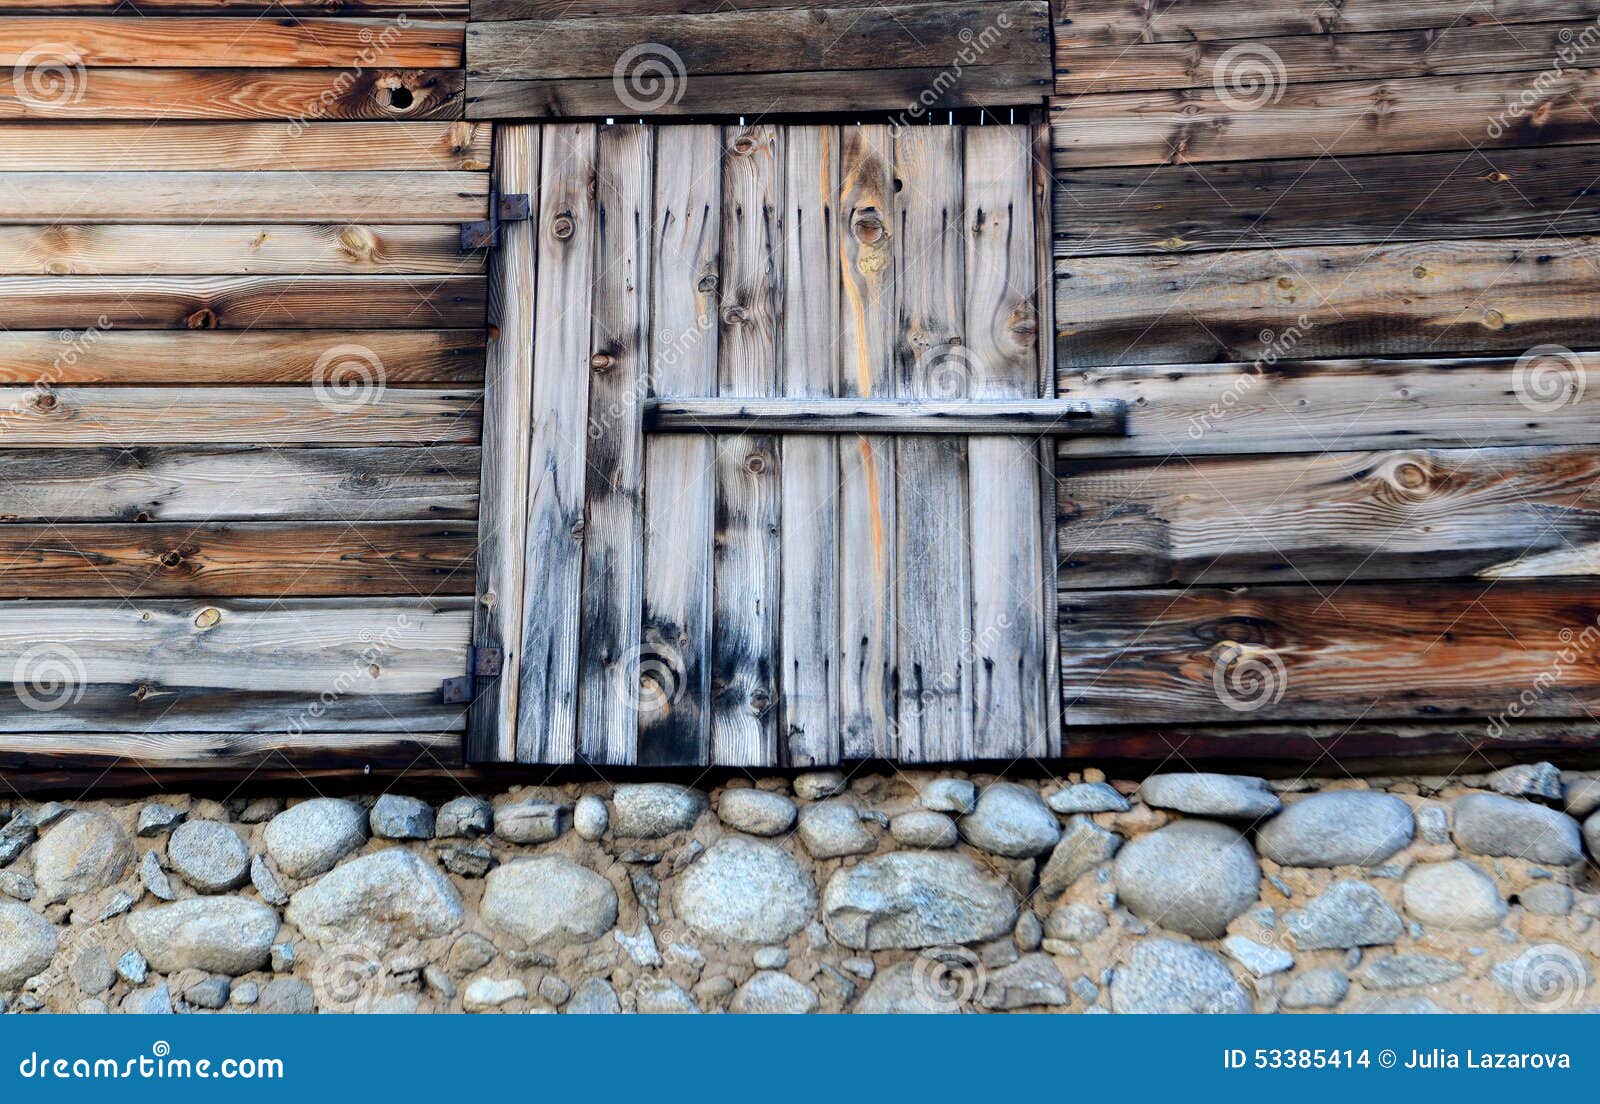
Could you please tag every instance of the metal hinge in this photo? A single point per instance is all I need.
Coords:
(513, 207)
(482, 663)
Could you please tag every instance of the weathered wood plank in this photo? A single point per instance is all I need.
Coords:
(507, 437)
(952, 417)
(422, 8)
(547, 703)
(809, 468)
(933, 567)
(127, 416)
(868, 325)
(238, 483)
(195, 357)
(1005, 533)
(77, 198)
(1340, 405)
(484, 11)
(1328, 201)
(195, 41)
(28, 754)
(1506, 650)
(675, 640)
(245, 147)
(235, 560)
(1407, 299)
(173, 94)
(1332, 517)
(241, 302)
(611, 677)
(1043, 190)
(242, 665)
(1338, 119)
(747, 584)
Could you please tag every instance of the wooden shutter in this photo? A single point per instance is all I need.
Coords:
(768, 441)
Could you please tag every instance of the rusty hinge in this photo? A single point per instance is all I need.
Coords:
(482, 663)
(513, 207)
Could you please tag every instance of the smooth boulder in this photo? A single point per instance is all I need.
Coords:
(1344, 828)
(379, 900)
(916, 899)
(216, 935)
(1193, 876)
(549, 902)
(745, 891)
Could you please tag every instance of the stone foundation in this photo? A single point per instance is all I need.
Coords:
(908, 892)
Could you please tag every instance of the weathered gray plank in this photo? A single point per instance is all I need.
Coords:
(1031, 418)
(102, 756)
(1043, 191)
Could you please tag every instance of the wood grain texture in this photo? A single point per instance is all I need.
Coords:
(238, 483)
(241, 665)
(902, 417)
(206, 41)
(33, 755)
(194, 357)
(1427, 298)
(484, 11)
(419, 8)
(1332, 518)
(309, 95)
(1480, 649)
(1043, 189)
(235, 560)
(675, 634)
(241, 302)
(311, 146)
(1328, 201)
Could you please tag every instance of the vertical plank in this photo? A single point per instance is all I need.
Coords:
(507, 426)
(932, 360)
(867, 323)
(1043, 206)
(675, 635)
(1008, 624)
(613, 552)
(809, 468)
(745, 582)
(547, 700)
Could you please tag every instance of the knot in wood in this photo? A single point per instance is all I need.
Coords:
(755, 463)
(562, 227)
(760, 700)
(735, 316)
(867, 226)
(203, 319)
(707, 283)
(171, 558)
(44, 399)
(207, 617)
(744, 145)
(602, 362)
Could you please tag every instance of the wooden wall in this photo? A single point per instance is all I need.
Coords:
(1338, 260)
(241, 366)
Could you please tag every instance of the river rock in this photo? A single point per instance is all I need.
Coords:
(82, 853)
(832, 829)
(650, 810)
(266, 882)
(916, 899)
(769, 992)
(1457, 895)
(758, 812)
(1087, 797)
(27, 944)
(1324, 987)
(950, 795)
(816, 785)
(1010, 820)
(1166, 976)
(377, 901)
(1343, 828)
(745, 891)
(902, 990)
(217, 935)
(484, 994)
(1033, 981)
(529, 821)
(1489, 824)
(926, 829)
(1084, 845)
(209, 856)
(590, 817)
(1075, 923)
(1547, 977)
(1193, 876)
(662, 996)
(1407, 971)
(1347, 914)
(549, 902)
(1541, 780)
(594, 997)
(91, 970)
(397, 817)
(308, 839)
(1547, 899)
(154, 819)
(1233, 796)
(464, 818)
(1258, 958)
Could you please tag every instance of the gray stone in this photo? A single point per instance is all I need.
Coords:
(770, 958)
(758, 812)
(467, 860)
(922, 828)
(1324, 987)
(155, 878)
(210, 993)
(530, 821)
(81, 853)
(15, 836)
(1347, 914)
(590, 817)
(650, 810)
(1580, 794)
(117, 904)
(641, 946)
(1258, 958)
(266, 882)
(1193, 876)
(1084, 845)
(661, 996)
(832, 829)
(1087, 797)
(91, 970)
(244, 994)
(1547, 977)
(1343, 828)
(1456, 895)
(17, 885)
(282, 958)
(27, 944)
(1085, 990)
(1165, 976)
(1033, 981)
(398, 817)
(771, 993)
(1540, 780)
(1029, 932)
(1406, 971)
(1075, 923)
(91, 1006)
(1591, 833)
(1433, 822)
(219, 935)
(903, 989)
(379, 900)
(1218, 795)
(132, 968)
(950, 795)
(917, 899)
(816, 785)
(743, 891)
(1412, 1004)
(50, 812)
(156, 819)
(483, 994)
(470, 952)
(549, 902)
(1010, 820)
(209, 856)
(464, 818)
(1547, 899)
(286, 997)
(1488, 824)
(308, 839)
(594, 997)
(259, 810)
(155, 1001)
